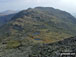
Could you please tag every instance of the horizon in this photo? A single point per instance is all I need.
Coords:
(65, 5)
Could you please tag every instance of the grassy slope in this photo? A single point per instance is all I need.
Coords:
(45, 24)
(24, 34)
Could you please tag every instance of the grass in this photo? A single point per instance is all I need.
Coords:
(13, 44)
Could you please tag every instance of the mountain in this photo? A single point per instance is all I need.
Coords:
(42, 23)
(35, 30)
(7, 12)
(6, 16)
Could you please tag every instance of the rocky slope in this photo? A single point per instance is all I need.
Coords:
(28, 49)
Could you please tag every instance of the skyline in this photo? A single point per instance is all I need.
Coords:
(65, 5)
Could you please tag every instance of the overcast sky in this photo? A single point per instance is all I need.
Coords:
(66, 5)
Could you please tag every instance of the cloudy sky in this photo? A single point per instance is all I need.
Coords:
(66, 5)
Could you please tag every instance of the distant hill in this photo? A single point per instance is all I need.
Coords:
(6, 16)
(7, 12)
